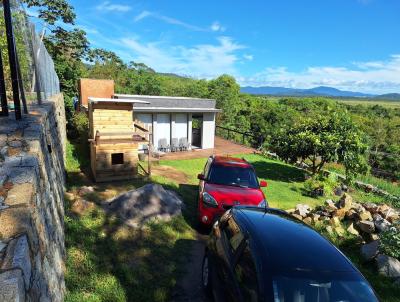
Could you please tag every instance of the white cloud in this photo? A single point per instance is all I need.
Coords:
(369, 77)
(216, 26)
(248, 57)
(204, 60)
(108, 6)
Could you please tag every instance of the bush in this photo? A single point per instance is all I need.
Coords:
(79, 127)
(320, 184)
(390, 241)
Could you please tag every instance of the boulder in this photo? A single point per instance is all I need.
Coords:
(340, 213)
(352, 230)
(370, 207)
(330, 204)
(345, 202)
(302, 210)
(152, 201)
(351, 215)
(307, 220)
(366, 226)
(329, 229)
(388, 266)
(357, 207)
(369, 188)
(315, 217)
(382, 224)
(297, 216)
(365, 216)
(369, 250)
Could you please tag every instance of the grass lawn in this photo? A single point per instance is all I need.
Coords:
(108, 261)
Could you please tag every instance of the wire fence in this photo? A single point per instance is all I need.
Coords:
(37, 78)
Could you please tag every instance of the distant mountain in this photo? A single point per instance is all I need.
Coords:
(317, 91)
(389, 96)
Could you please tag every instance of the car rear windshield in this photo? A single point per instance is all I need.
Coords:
(233, 176)
(316, 290)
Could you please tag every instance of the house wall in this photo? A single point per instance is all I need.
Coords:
(208, 130)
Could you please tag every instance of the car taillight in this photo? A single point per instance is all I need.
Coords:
(209, 200)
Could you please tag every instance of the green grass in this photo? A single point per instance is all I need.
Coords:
(388, 104)
(383, 184)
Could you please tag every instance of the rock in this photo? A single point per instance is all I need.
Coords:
(334, 221)
(315, 217)
(302, 210)
(369, 250)
(2, 246)
(382, 224)
(366, 226)
(340, 231)
(338, 191)
(345, 188)
(85, 190)
(323, 213)
(69, 196)
(345, 202)
(329, 229)
(351, 215)
(80, 206)
(357, 207)
(307, 220)
(14, 290)
(340, 213)
(290, 211)
(369, 188)
(370, 207)
(365, 216)
(20, 194)
(151, 201)
(330, 204)
(388, 266)
(297, 216)
(18, 256)
(352, 230)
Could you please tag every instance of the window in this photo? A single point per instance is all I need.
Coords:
(246, 275)
(117, 158)
(233, 176)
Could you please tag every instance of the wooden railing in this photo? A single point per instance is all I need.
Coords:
(241, 137)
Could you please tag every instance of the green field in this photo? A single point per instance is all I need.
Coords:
(369, 102)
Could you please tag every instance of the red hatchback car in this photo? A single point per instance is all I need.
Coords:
(227, 182)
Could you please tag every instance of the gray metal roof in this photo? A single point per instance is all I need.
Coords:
(168, 101)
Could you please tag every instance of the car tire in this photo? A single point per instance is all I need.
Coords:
(206, 278)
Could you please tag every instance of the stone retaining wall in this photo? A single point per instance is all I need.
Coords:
(32, 177)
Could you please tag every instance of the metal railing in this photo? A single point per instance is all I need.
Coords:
(241, 137)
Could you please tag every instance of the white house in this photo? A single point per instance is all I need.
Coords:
(176, 117)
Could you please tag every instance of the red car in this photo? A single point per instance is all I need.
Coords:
(227, 182)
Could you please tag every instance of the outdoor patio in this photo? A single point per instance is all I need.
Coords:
(222, 147)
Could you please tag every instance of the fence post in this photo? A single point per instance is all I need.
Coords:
(3, 95)
(12, 58)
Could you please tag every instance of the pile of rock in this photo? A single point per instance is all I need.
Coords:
(364, 220)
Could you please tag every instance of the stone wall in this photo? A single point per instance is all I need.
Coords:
(32, 177)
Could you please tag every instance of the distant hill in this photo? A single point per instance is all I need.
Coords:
(317, 91)
(389, 96)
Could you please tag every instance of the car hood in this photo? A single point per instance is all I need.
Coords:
(231, 195)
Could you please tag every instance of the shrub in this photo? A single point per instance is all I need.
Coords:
(390, 241)
(79, 127)
(321, 184)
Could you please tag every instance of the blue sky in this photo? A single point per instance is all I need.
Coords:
(347, 44)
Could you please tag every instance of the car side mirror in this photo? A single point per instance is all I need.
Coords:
(200, 176)
(263, 183)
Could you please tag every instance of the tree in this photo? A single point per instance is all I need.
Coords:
(331, 137)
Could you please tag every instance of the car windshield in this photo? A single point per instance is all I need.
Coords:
(288, 289)
(233, 176)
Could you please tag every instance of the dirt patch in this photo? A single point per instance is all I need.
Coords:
(81, 206)
(170, 173)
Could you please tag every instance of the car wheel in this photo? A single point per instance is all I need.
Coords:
(206, 275)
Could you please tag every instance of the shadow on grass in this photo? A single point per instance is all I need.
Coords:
(278, 171)
(109, 261)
